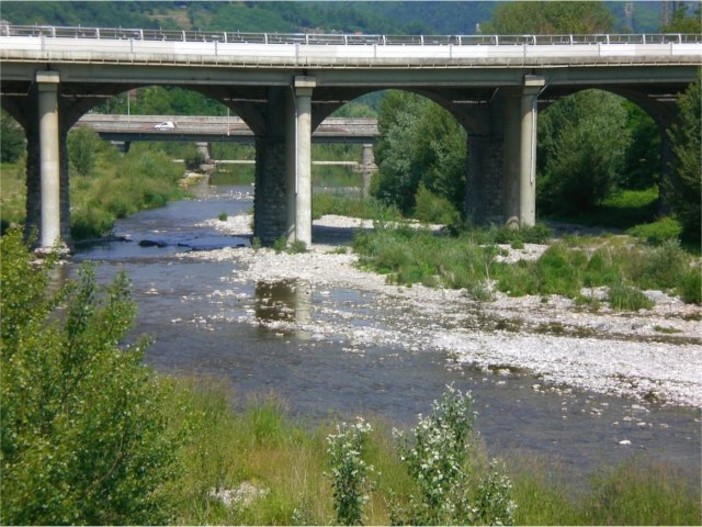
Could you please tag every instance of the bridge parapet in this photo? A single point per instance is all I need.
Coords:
(112, 45)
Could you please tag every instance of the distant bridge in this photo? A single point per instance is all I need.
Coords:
(128, 128)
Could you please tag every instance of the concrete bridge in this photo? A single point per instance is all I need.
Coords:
(284, 86)
(208, 129)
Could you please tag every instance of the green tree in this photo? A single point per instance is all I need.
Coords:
(684, 186)
(643, 156)
(83, 145)
(419, 142)
(11, 139)
(550, 17)
(582, 150)
(682, 23)
(84, 439)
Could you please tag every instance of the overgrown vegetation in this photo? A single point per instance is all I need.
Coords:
(471, 261)
(105, 185)
(85, 439)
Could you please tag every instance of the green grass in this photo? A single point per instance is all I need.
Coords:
(469, 260)
(12, 194)
(621, 210)
(260, 445)
(329, 203)
(119, 186)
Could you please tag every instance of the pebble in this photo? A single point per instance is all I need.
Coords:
(603, 352)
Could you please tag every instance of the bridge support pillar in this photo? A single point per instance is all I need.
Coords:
(368, 168)
(271, 206)
(303, 87)
(49, 154)
(527, 157)
(204, 150)
(520, 153)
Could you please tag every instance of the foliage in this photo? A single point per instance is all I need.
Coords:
(470, 261)
(626, 298)
(349, 472)
(431, 208)
(581, 152)
(545, 17)
(84, 438)
(83, 144)
(657, 232)
(642, 161)
(11, 139)
(369, 208)
(144, 178)
(638, 492)
(437, 458)
(685, 184)
(682, 23)
(419, 142)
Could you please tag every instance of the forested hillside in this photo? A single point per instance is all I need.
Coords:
(413, 17)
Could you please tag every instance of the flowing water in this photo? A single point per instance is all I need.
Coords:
(198, 331)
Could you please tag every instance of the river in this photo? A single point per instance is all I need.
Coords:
(196, 330)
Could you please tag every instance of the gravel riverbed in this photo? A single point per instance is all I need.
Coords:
(650, 355)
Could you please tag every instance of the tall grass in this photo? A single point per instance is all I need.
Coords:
(469, 261)
(118, 186)
(369, 208)
(259, 446)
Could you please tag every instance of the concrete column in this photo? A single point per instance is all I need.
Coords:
(290, 165)
(272, 152)
(32, 222)
(303, 164)
(204, 150)
(368, 168)
(527, 154)
(47, 85)
(511, 105)
(476, 178)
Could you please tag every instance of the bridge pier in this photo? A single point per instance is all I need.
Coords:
(49, 159)
(527, 154)
(368, 168)
(303, 159)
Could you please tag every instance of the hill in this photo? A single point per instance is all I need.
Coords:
(409, 17)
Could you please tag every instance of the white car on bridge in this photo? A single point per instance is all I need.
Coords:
(165, 126)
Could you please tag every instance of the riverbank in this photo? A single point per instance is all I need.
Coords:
(650, 355)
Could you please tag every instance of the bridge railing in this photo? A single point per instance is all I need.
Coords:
(9, 30)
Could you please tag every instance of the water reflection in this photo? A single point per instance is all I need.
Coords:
(286, 301)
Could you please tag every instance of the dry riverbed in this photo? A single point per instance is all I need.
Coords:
(650, 355)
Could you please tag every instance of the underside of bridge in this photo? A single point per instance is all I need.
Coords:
(498, 108)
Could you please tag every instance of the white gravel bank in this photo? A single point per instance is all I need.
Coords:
(649, 354)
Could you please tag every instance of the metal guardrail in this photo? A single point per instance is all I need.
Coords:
(226, 37)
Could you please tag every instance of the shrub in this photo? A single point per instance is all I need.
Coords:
(349, 471)
(84, 436)
(691, 286)
(437, 458)
(433, 208)
(626, 298)
(658, 232)
(83, 144)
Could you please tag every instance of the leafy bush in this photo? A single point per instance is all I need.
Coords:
(691, 286)
(684, 184)
(658, 232)
(581, 151)
(12, 143)
(349, 472)
(83, 144)
(84, 437)
(437, 458)
(623, 297)
(433, 208)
